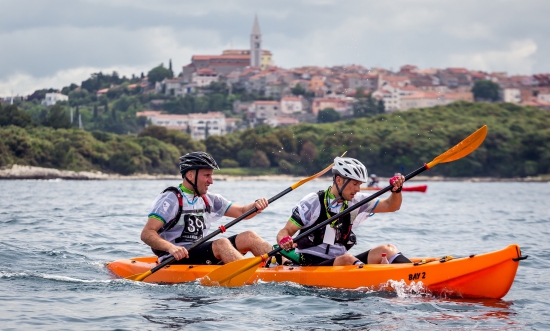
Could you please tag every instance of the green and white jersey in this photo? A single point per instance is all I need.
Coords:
(195, 220)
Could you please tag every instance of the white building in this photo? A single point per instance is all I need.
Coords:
(198, 125)
(428, 99)
(392, 94)
(52, 98)
(291, 105)
(512, 95)
(544, 95)
(261, 110)
(176, 87)
(204, 76)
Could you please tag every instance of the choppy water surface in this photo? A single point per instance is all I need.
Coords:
(56, 237)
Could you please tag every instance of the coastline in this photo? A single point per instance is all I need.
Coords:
(19, 172)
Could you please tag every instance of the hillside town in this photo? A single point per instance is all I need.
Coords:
(298, 95)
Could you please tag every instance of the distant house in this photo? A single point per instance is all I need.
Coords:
(292, 105)
(282, 121)
(101, 92)
(393, 93)
(367, 82)
(204, 77)
(52, 98)
(512, 95)
(427, 99)
(422, 100)
(259, 111)
(344, 107)
(544, 95)
(176, 87)
(393, 80)
(199, 125)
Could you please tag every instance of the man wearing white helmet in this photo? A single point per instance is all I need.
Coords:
(329, 245)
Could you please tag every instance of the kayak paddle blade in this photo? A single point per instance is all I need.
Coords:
(463, 148)
(139, 277)
(233, 274)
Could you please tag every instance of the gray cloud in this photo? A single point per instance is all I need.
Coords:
(59, 42)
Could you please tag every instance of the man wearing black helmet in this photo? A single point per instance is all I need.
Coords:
(182, 215)
(329, 245)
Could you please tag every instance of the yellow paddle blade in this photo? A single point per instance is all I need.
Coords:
(233, 274)
(305, 180)
(463, 148)
(319, 174)
(139, 277)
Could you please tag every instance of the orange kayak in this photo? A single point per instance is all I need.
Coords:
(488, 275)
(417, 188)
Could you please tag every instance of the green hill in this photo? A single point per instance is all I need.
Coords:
(518, 144)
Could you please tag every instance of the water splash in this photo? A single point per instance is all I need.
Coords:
(404, 290)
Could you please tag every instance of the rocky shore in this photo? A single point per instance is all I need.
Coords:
(28, 172)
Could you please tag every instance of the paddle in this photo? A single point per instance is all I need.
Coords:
(237, 273)
(167, 261)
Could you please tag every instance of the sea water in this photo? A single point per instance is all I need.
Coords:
(57, 236)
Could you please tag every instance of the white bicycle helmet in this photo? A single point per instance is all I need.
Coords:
(350, 168)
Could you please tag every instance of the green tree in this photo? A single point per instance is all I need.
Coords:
(155, 131)
(308, 152)
(328, 115)
(11, 115)
(244, 156)
(159, 73)
(486, 90)
(57, 118)
(76, 115)
(298, 90)
(259, 160)
(365, 105)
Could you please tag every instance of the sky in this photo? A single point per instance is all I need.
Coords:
(53, 43)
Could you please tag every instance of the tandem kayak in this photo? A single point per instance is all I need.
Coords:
(417, 188)
(488, 275)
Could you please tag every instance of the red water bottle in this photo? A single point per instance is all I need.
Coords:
(384, 259)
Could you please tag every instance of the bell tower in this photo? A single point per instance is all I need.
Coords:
(256, 44)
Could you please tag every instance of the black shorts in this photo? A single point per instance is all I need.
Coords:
(203, 254)
(313, 260)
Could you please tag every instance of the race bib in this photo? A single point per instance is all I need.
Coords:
(330, 235)
(193, 226)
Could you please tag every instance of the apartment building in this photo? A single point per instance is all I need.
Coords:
(198, 125)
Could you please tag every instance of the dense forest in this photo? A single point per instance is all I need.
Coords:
(518, 143)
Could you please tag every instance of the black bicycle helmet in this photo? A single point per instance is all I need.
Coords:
(196, 161)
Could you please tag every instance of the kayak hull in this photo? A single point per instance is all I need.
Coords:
(488, 275)
(417, 188)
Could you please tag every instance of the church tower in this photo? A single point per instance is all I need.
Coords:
(256, 44)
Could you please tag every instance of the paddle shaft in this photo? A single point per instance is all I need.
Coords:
(219, 230)
(349, 210)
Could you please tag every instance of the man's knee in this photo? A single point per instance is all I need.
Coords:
(222, 243)
(248, 235)
(347, 259)
(390, 248)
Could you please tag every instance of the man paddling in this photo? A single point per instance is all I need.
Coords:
(182, 215)
(329, 245)
(373, 181)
